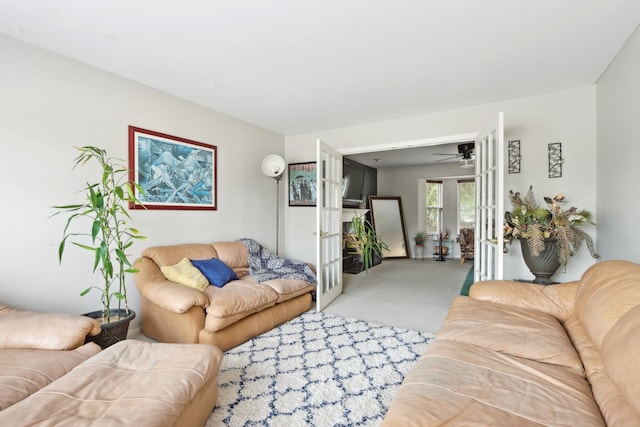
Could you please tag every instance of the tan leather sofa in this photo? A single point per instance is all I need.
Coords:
(519, 354)
(224, 317)
(49, 377)
(38, 348)
(131, 383)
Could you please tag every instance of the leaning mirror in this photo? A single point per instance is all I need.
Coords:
(388, 220)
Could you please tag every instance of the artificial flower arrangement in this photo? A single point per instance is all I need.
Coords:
(529, 221)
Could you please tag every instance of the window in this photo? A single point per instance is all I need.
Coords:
(433, 207)
(466, 204)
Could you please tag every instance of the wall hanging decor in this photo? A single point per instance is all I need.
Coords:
(175, 173)
(302, 184)
(514, 156)
(555, 160)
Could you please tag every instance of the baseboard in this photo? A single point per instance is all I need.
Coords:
(134, 331)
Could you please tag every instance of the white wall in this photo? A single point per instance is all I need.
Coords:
(50, 104)
(568, 117)
(409, 184)
(618, 151)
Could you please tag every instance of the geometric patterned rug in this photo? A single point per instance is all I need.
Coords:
(315, 370)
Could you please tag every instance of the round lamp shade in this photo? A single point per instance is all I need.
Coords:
(273, 166)
(467, 163)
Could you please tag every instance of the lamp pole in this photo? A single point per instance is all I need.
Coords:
(278, 178)
(273, 166)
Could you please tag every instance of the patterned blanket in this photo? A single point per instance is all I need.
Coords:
(265, 265)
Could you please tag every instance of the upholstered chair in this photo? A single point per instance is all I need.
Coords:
(465, 239)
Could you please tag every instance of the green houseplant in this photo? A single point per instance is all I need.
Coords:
(105, 215)
(541, 228)
(364, 240)
(419, 238)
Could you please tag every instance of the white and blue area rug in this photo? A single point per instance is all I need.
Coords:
(316, 370)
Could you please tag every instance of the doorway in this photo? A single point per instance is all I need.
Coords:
(403, 163)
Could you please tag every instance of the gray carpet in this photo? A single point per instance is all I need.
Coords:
(407, 293)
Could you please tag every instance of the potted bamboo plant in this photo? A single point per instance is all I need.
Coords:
(109, 237)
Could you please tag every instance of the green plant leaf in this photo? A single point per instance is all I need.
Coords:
(122, 257)
(95, 230)
(61, 250)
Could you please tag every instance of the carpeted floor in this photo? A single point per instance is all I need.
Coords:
(407, 293)
(316, 370)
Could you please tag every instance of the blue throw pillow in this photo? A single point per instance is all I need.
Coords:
(217, 272)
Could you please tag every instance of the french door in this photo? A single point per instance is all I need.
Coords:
(489, 238)
(328, 224)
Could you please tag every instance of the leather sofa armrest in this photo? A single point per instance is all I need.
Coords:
(169, 295)
(44, 331)
(556, 300)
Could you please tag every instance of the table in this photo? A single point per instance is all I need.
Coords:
(446, 243)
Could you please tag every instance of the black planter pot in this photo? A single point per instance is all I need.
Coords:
(114, 331)
(544, 265)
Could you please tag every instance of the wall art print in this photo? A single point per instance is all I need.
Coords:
(514, 156)
(175, 173)
(555, 159)
(303, 184)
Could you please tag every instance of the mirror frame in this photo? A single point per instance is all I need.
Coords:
(372, 200)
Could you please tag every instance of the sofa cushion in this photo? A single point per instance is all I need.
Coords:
(518, 331)
(234, 254)
(289, 288)
(172, 254)
(217, 272)
(620, 350)
(587, 351)
(25, 371)
(186, 274)
(456, 383)
(237, 300)
(607, 291)
(44, 331)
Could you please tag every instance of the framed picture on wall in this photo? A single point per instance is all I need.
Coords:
(302, 184)
(174, 172)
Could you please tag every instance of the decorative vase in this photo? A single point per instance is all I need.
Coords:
(114, 331)
(544, 265)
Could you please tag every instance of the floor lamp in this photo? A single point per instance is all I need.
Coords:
(273, 167)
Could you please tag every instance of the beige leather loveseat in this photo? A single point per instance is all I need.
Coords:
(223, 316)
(38, 348)
(48, 377)
(518, 354)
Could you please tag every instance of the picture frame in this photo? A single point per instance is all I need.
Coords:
(175, 173)
(303, 184)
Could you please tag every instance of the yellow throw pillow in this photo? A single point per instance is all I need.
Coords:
(186, 274)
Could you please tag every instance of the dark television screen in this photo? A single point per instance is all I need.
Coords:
(353, 179)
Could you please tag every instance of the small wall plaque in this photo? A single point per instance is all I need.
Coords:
(514, 156)
(555, 160)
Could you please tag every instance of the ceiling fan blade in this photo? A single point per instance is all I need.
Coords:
(445, 154)
(448, 158)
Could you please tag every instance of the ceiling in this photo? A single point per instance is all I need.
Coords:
(413, 156)
(296, 66)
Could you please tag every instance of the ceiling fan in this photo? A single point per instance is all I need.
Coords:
(465, 154)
